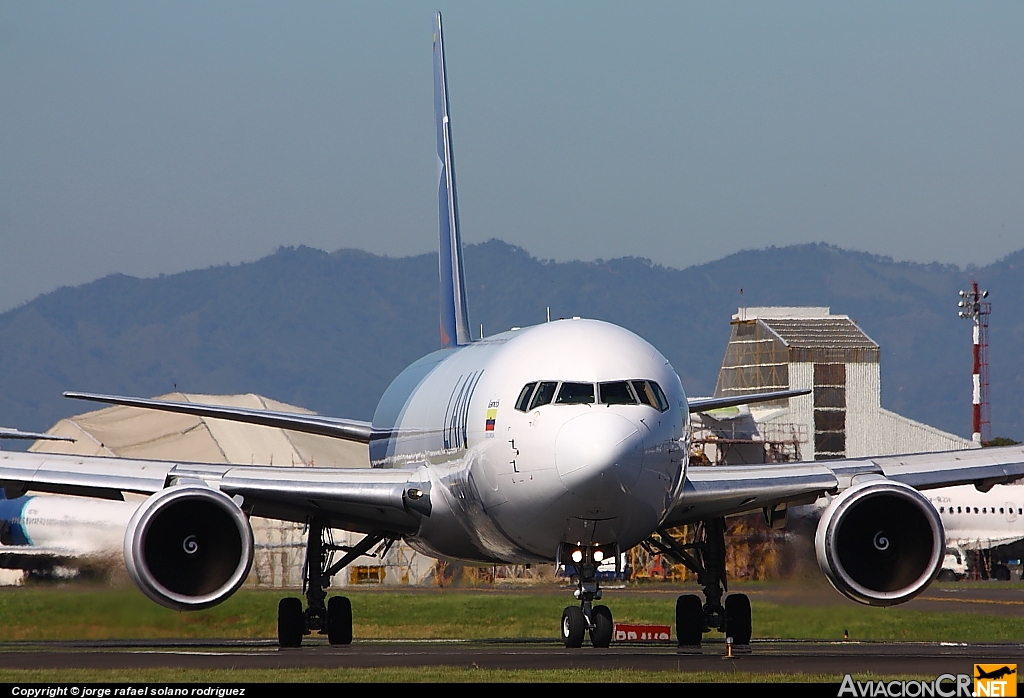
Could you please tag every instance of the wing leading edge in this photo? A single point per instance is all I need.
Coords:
(712, 491)
(357, 499)
(706, 404)
(8, 433)
(335, 427)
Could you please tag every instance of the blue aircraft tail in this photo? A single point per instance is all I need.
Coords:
(454, 314)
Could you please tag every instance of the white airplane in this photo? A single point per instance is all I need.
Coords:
(990, 521)
(563, 442)
(41, 532)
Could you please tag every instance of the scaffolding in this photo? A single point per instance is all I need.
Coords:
(732, 443)
(754, 551)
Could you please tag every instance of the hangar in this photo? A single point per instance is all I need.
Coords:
(791, 348)
(280, 545)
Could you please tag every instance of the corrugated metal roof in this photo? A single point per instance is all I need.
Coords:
(835, 331)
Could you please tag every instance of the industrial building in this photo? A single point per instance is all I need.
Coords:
(791, 348)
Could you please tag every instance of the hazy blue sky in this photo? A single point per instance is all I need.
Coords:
(156, 137)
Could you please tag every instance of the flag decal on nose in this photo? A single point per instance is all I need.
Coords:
(492, 416)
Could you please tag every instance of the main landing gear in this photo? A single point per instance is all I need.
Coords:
(706, 557)
(331, 617)
(577, 621)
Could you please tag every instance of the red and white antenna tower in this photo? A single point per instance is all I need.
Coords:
(974, 308)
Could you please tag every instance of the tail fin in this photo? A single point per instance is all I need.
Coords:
(454, 315)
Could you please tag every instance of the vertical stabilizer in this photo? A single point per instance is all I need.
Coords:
(454, 315)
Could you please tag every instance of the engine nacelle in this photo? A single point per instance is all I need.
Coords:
(880, 542)
(188, 547)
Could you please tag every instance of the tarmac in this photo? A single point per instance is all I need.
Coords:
(928, 659)
(901, 658)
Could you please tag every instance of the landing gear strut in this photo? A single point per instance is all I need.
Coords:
(705, 556)
(331, 617)
(577, 621)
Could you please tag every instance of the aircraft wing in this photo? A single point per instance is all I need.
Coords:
(336, 427)
(8, 433)
(356, 499)
(712, 491)
(705, 404)
(982, 541)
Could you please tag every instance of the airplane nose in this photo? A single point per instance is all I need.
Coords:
(598, 456)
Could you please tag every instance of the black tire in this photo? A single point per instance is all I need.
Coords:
(947, 576)
(601, 633)
(1001, 572)
(339, 620)
(689, 620)
(737, 619)
(574, 627)
(291, 622)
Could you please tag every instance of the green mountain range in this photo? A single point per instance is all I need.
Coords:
(329, 331)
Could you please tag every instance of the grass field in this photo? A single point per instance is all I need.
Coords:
(86, 613)
(70, 613)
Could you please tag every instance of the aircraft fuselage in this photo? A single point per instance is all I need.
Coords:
(589, 454)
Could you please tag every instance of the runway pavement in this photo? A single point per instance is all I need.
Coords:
(929, 659)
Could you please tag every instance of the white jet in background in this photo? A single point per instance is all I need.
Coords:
(989, 523)
(49, 532)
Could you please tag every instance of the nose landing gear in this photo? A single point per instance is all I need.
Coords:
(706, 557)
(577, 621)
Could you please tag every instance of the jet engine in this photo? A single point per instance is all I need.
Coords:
(880, 542)
(188, 547)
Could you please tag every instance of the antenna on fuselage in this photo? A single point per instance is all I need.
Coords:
(454, 313)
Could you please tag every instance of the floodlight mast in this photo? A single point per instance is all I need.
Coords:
(973, 307)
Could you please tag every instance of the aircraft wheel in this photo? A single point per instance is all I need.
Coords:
(947, 576)
(737, 619)
(574, 627)
(1001, 572)
(339, 620)
(601, 633)
(291, 622)
(689, 620)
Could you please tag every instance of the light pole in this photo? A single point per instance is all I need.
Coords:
(973, 307)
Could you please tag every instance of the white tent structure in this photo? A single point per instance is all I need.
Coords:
(130, 432)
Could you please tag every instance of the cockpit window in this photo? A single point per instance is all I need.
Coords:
(617, 393)
(575, 394)
(538, 394)
(650, 394)
(523, 403)
(659, 396)
(545, 391)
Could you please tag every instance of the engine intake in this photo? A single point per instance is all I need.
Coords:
(188, 547)
(880, 543)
